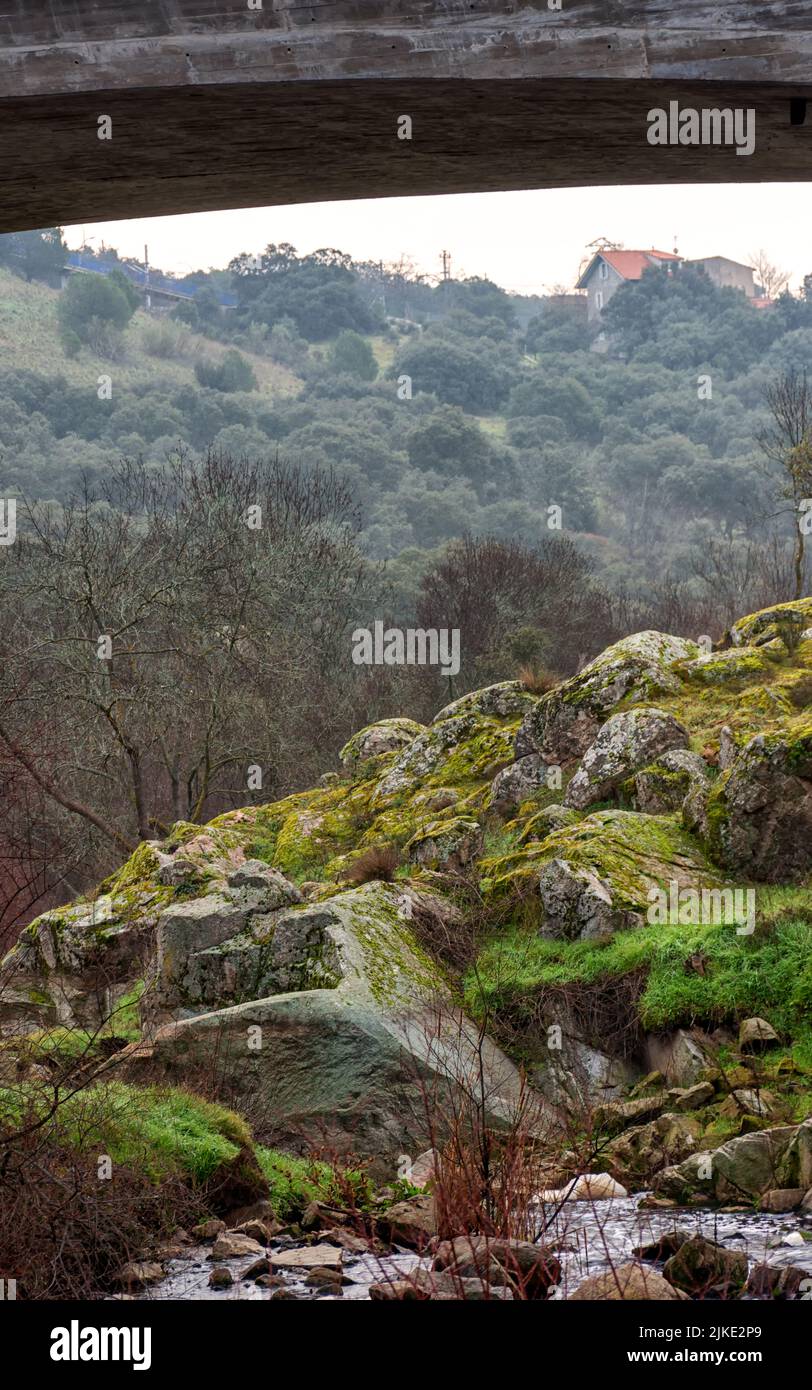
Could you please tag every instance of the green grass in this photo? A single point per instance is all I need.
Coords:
(499, 842)
(29, 339)
(158, 1131)
(295, 1182)
(768, 973)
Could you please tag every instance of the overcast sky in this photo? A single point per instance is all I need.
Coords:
(524, 241)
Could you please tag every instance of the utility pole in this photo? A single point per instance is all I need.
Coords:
(446, 259)
(147, 299)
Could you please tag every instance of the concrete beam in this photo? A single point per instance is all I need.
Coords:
(84, 45)
(215, 105)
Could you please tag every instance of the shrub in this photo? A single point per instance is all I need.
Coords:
(233, 373)
(91, 305)
(378, 862)
(166, 339)
(536, 680)
(352, 354)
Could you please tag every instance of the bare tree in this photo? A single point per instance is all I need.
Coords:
(772, 280)
(786, 443)
(162, 635)
(515, 605)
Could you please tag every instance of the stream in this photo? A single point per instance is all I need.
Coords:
(589, 1237)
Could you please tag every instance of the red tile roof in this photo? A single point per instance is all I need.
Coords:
(631, 264)
(628, 264)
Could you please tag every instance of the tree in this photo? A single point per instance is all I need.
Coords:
(232, 373)
(508, 599)
(456, 374)
(36, 255)
(447, 441)
(128, 289)
(770, 277)
(476, 295)
(94, 309)
(560, 328)
(551, 393)
(352, 354)
(165, 632)
(319, 292)
(787, 444)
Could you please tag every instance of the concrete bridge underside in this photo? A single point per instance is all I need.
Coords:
(216, 104)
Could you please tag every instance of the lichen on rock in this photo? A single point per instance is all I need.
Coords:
(638, 669)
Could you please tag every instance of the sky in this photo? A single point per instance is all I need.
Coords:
(527, 242)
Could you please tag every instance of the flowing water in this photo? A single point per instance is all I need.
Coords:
(589, 1237)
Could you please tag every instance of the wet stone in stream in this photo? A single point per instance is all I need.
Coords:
(589, 1238)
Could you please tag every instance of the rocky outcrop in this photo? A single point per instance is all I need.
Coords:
(316, 1002)
(577, 1076)
(594, 877)
(505, 700)
(563, 723)
(350, 1032)
(663, 786)
(743, 1168)
(758, 817)
(387, 736)
(73, 967)
(767, 624)
(516, 783)
(681, 1056)
(452, 844)
(625, 743)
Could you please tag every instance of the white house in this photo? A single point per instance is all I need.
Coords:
(611, 268)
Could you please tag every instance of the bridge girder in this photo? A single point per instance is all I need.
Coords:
(216, 105)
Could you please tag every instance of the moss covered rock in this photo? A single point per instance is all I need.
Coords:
(73, 965)
(732, 666)
(663, 786)
(626, 742)
(767, 624)
(451, 844)
(757, 818)
(347, 1062)
(594, 877)
(386, 736)
(506, 700)
(514, 784)
(638, 669)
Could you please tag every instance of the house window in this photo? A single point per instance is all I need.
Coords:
(604, 271)
(599, 299)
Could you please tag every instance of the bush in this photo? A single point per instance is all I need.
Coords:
(379, 862)
(71, 342)
(166, 339)
(90, 306)
(233, 373)
(352, 354)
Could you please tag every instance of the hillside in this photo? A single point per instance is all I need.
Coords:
(504, 426)
(29, 342)
(612, 878)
